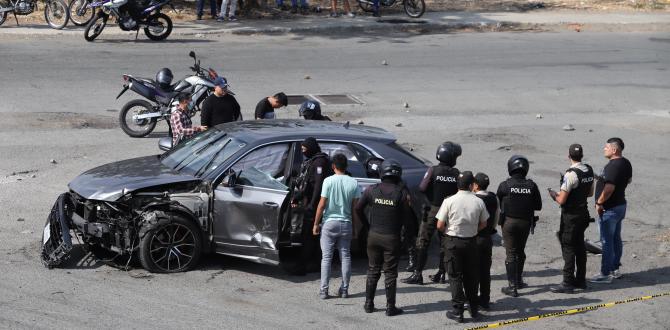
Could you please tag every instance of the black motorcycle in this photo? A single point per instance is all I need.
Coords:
(413, 8)
(55, 11)
(131, 15)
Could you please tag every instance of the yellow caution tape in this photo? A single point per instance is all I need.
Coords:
(567, 312)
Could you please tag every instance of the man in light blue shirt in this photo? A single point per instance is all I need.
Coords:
(339, 194)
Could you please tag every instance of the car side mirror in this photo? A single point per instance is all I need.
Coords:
(191, 54)
(230, 180)
(372, 166)
(165, 143)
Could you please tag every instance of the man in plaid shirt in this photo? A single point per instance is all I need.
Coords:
(181, 124)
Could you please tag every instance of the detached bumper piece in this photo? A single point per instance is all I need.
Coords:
(56, 238)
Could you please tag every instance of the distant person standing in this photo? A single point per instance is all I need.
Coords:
(459, 218)
(611, 208)
(576, 188)
(339, 195)
(231, 13)
(519, 199)
(200, 7)
(180, 122)
(221, 106)
(311, 110)
(347, 9)
(484, 237)
(265, 109)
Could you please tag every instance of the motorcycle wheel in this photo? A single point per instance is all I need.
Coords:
(160, 27)
(80, 14)
(56, 14)
(414, 8)
(95, 26)
(366, 6)
(136, 128)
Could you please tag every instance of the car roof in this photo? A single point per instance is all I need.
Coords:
(260, 131)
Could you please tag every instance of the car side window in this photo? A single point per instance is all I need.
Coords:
(264, 167)
(355, 155)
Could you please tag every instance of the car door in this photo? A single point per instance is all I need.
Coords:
(246, 214)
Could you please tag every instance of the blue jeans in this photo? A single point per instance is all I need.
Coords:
(294, 3)
(610, 236)
(200, 4)
(334, 234)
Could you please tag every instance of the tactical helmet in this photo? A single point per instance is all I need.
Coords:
(448, 152)
(164, 78)
(390, 167)
(518, 163)
(309, 109)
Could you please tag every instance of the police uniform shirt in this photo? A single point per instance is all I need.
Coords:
(570, 179)
(463, 213)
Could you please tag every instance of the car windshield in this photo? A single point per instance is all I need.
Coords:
(202, 154)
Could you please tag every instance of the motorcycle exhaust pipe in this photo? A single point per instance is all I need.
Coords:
(147, 115)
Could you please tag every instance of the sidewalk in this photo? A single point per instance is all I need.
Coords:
(430, 22)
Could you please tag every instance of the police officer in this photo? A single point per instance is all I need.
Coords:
(438, 183)
(576, 187)
(460, 217)
(314, 169)
(311, 110)
(484, 240)
(519, 198)
(389, 207)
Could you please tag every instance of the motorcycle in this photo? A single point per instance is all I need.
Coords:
(80, 12)
(55, 11)
(138, 118)
(413, 8)
(131, 16)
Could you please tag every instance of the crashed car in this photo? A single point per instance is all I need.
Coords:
(226, 190)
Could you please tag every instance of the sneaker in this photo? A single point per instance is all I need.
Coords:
(324, 295)
(616, 274)
(220, 19)
(562, 288)
(334, 15)
(600, 278)
(232, 18)
(350, 15)
(343, 293)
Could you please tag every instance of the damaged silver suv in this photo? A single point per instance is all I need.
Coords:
(226, 190)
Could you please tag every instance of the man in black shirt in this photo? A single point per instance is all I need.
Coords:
(265, 109)
(611, 208)
(220, 107)
(484, 239)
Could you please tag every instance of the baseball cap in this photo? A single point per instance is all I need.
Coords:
(223, 83)
(576, 151)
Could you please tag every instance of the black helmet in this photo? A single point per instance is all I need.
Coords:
(448, 152)
(390, 167)
(310, 109)
(518, 163)
(164, 78)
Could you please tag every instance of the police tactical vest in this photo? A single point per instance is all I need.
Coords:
(518, 199)
(491, 203)
(385, 211)
(577, 196)
(443, 183)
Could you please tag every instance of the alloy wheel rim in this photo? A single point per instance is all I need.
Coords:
(172, 247)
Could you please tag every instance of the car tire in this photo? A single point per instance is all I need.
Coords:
(171, 245)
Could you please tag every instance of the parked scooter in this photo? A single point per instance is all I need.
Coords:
(131, 16)
(413, 8)
(55, 11)
(138, 117)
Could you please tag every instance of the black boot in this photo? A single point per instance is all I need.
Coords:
(370, 288)
(510, 290)
(455, 315)
(440, 276)
(411, 262)
(391, 310)
(417, 276)
(519, 275)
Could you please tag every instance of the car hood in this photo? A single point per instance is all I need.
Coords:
(111, 181)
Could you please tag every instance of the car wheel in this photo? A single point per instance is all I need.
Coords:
(171, 245)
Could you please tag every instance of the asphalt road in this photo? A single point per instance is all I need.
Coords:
(482, 90)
